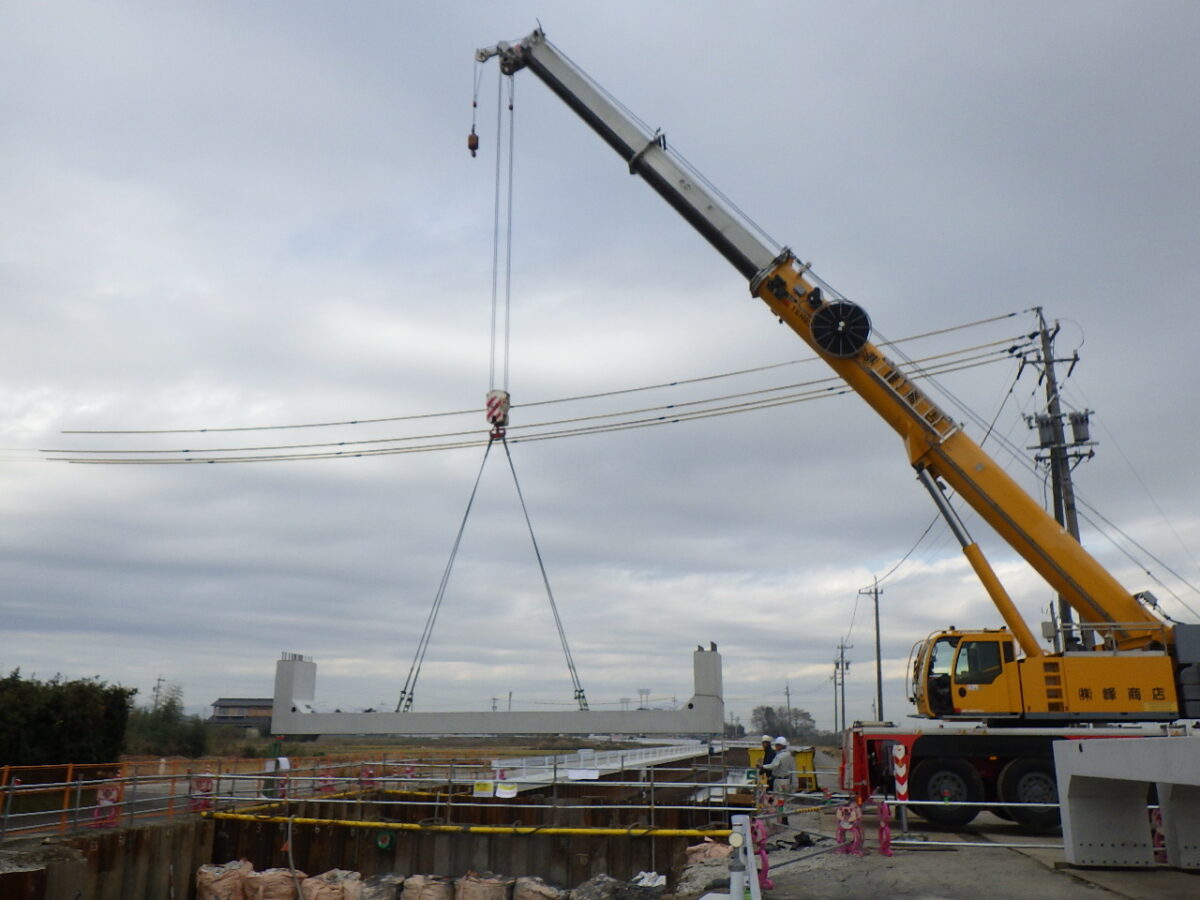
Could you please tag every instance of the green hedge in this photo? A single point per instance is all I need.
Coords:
(56, 721)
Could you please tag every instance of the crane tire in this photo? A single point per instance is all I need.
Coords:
(1028, 780)
(954, 780)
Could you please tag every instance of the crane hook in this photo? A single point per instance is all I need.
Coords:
(472, 141)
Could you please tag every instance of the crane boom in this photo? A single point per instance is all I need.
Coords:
(646, 154)
(837, 331)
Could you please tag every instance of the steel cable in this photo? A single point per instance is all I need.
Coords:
(404, 704)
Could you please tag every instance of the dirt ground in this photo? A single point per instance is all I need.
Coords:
(927, 871)
(980, 872)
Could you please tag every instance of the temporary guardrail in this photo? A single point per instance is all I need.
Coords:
(62, 799)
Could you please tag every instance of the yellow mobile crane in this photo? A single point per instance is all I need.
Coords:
(1131, 666)
(1136, 667)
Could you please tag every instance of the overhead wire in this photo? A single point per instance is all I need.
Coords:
(670, 413)
(1150, 495)
(957, 365)
(1136, 561)
(937, 518)
(1095, 520)
(829, 379)
(475, 411)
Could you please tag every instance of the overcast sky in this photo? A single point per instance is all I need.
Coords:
(237, 215)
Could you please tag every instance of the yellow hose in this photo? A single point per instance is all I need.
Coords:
(479, 829)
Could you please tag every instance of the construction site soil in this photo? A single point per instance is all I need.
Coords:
(981, 867)
(983, 871)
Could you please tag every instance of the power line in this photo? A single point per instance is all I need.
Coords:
(473, 412)
(958, 365)
(647, 422)
(644, 416)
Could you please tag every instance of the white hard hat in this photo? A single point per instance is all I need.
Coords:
(766, 737)
(781, 741)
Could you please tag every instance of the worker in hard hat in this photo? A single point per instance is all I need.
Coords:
(782, 771)
(782, 768)
(768, 750)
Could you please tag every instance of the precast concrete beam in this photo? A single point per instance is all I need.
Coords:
(295, 699)
(1103, 786)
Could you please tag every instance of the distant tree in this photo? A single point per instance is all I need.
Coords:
(775, 721)
(802, 726)
(735, 730)
(766, 720)
(164, 730)
(56, 721)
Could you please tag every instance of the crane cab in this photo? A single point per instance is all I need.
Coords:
(978, 675)
(966, 674)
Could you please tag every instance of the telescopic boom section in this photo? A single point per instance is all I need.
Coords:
(838, 331)
(645, 153)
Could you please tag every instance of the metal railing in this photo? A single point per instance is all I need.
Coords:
(61, 799)
(548, 768)
(419, 794)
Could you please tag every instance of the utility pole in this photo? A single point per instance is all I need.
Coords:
(840, 667)
(1052, 440)
(158, 691)
(835, 695)
(787, 693)
(875, 591)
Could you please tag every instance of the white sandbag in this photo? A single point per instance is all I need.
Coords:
(336, 884)
(272, 884)
(383, 887)
(483, 886)
(428, 887)
(222, 882)
(529, 887)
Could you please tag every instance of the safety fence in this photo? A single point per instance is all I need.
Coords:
(59, 799)
(49, 799)
(642, 791)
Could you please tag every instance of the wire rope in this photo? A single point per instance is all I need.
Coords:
(499, 425)
(496, 236)
(580, 696)
(650, 133)
(404, 704)
(499, 430)
(509, 230)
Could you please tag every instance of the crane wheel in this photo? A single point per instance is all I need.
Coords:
(950, 780)
(1030, 781)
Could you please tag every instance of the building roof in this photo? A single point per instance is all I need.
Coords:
(244, 701)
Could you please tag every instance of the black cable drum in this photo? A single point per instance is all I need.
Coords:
(841, 328)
